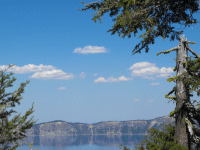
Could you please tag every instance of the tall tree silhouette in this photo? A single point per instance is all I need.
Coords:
(182, 135)
(185, 113)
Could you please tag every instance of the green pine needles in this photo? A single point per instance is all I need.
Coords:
(165, 140)
(15, 129)
(159, 140)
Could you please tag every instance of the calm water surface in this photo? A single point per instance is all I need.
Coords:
(82, 142)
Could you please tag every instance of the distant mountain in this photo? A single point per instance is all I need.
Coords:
(62, 128)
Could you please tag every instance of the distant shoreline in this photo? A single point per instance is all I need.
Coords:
(85, 134)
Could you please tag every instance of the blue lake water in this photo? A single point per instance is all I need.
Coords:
(82, 142)
(83, 147)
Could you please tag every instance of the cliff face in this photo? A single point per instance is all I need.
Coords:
(62, 128)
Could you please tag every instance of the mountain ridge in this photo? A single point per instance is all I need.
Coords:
(131, 127)
(97, 122)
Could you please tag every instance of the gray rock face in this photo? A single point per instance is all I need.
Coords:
(62, 128)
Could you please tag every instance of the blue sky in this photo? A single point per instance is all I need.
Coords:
(78, 71)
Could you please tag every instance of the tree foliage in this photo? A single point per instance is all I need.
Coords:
(191, 80)
(154, 16)
(15, 129)
(165, 139)
(159, 140)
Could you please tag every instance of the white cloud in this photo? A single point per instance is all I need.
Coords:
(141, 65)
(136, 100)
(53, 74)
(166, 70)
(3, 67)
(61, 88)
(155, 84)
(123, 78)
(27, 68)
(90, 49)
(111, 79)
(41, 71)
(95, 74)
(100, 79)
(83, 75)
(146, 69)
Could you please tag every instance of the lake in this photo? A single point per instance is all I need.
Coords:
(82, 142)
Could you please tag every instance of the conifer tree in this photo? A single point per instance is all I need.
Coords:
(187, 81)
(156, 17)
(15, 129)
(163, 140)
(167, 140)
(159, 140)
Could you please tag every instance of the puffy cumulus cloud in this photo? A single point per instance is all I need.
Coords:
(3, 67)
(155, 84)
(141, 65)
(123, 78)
(100, 79)
(61, 88)
(111, 79)
(166, 70)
(83, 75)
(53, 74)
(27, 68)
(146, 69)
(90, 49)
(41, 71)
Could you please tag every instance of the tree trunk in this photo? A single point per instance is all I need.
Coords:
(181, 130)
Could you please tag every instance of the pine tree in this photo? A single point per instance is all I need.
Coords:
(159, 140)
(166, 139)
(154, 16)
(163, 140)
(15, 129)
(185, 112)
(157, 17)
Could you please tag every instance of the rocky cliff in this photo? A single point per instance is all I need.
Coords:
(62, 128)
